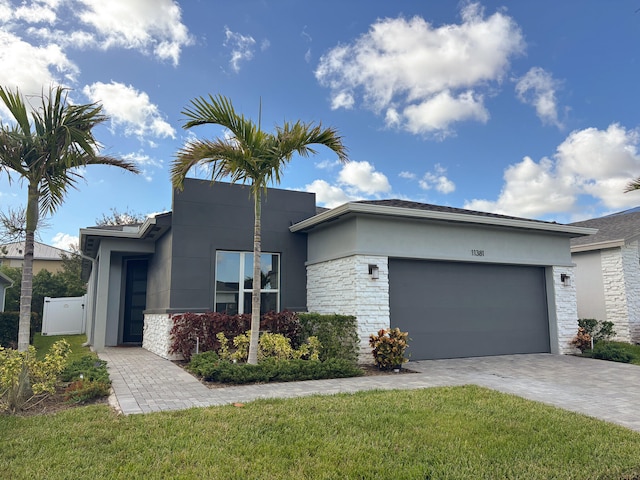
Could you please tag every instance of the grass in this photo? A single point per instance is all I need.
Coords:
(44, 342)
(446, 433)
(634, 350)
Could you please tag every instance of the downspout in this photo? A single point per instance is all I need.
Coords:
(93, 269)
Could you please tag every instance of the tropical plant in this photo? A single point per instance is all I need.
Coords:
(388, 348)
(46, 153)
(248, 155)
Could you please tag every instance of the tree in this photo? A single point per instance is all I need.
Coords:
(116, 217)
(248, 155)
(46, 153)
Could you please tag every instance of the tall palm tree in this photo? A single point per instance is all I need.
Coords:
(248, 155)
(46, 153)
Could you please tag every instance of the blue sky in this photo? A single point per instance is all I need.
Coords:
(521, 108)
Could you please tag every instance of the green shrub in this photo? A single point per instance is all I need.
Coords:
(9, 328)
(270, 345)
(209, 366)
(596, 329)
(88, 367)
(337, 334)
(388, 348)
(612, 352)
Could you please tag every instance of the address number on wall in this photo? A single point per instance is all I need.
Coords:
(477, 253)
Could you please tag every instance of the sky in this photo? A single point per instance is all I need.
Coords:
(520, 108)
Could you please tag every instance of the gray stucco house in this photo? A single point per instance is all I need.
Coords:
(462, 283)
(608, 272)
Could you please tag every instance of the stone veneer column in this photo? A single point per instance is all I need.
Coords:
(344, 286)
(619, 304)
(156, 335)
(566, 311)
(631, 268)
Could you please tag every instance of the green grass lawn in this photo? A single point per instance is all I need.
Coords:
(44, 342)
(440, 433)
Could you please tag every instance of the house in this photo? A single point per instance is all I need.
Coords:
(5, 282)
(608, 272)
(45, 257)
(462, 283)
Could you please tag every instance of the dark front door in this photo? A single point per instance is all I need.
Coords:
(135, 300)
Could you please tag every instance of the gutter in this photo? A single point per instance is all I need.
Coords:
(363, 208)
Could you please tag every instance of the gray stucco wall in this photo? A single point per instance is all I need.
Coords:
(159, 274)
(209, 217)
(590, 285)
(404, 238)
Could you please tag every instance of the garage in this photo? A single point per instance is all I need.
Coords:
(460, 309)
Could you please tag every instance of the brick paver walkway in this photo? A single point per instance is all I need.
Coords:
(144, 382)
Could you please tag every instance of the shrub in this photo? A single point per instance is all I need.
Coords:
(205, 327)
(209, 366)
(596, 329)
(582, 340)
(88, 367)
(612, 352)
(388, 348)
(83, 390)
(338, 335)
(270, 345)
(9, 328)
(23, 376)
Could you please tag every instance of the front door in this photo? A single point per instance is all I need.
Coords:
(135, 300)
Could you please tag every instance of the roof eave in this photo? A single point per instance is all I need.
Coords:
(364, 208)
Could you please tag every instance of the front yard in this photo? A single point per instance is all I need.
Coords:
(457, 433)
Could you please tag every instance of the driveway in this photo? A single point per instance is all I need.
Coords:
(144, 382)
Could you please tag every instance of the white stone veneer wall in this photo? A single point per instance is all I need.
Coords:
(156, 335)
(344, 286)
(566, 311)
(621, 279)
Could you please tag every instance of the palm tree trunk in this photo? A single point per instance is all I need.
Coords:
(256, 286)
(26, 288)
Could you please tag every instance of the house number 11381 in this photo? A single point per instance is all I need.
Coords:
(477, 253)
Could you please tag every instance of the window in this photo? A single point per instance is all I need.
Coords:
(234, 281)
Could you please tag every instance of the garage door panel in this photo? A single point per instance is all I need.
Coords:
(462, 309)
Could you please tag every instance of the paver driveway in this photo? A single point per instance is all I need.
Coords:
(144, 382)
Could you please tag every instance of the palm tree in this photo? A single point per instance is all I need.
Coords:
(251, 156)
(46, 153)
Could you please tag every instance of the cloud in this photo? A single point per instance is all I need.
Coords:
(327, 195)
(538, 88)
(144, 162)
(33, 68)
(592, 162)
(362, 177)
(130, 109)
(437, 180)
(242, 48)
(407, 175)
(37, 12)
(65, 241)
(413, 72)
(150, 26)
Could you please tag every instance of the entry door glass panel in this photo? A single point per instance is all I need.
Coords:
(135, 301)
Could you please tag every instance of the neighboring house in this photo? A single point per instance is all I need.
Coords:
(5, 282)
(462, 283)
(608, 272)
(45, 257)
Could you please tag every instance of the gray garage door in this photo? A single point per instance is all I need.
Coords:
(468, 309)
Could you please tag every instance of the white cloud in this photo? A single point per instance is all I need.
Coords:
(33, 68)
(37, 12)
(538, 88)
(437, 180)
(241, 46)
(144, 162)
(65, 241)
(593, 162)
(362, 177)
(407, 175)
(150, 26)
(412, 70)
(328, 195)
(130, 109)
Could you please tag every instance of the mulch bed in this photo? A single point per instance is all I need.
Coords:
(51, 404)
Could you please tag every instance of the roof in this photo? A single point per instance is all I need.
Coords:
(41, 251)
(613, 231)
(5, 281)
(425, 211)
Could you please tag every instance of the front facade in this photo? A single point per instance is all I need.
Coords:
(461, 283)
(608, 273)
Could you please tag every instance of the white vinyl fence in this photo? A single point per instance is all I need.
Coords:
(64, 316)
